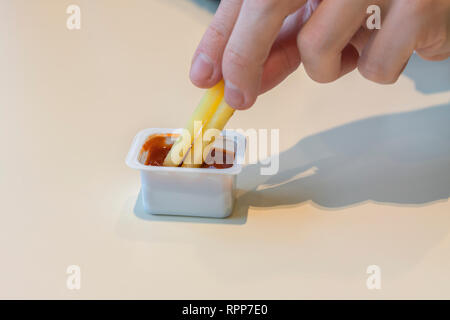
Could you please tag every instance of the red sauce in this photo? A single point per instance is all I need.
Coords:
(227, 160)
(158, 146)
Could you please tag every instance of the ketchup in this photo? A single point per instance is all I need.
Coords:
(227, 160)
(158, 146)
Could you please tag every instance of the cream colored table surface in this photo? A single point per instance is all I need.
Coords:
(364, 177)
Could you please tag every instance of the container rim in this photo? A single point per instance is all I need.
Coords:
(140, 138)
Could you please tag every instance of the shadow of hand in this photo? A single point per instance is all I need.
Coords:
(400, 158)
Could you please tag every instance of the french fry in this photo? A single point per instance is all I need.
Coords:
(221, 117)
(213, 128)
(202, 115)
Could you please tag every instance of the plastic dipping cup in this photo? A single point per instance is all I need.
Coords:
(200, 192)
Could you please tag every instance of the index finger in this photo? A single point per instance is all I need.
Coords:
(206, 68)
(254, 33)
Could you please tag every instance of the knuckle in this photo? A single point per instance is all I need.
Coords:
(274, 6)
(434, 43)
(264, 5)
(418, 6)
(436, 57)
(313, 53)
(218, 31)
(311, 46)
(232, 57)
(320, 76)
(375, 71)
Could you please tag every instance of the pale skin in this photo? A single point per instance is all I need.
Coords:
(255, 44)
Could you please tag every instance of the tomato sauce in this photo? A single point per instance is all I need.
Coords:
(157, 146)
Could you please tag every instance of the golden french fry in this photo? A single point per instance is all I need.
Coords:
(202, 114)
(221, 117)
(212, 129)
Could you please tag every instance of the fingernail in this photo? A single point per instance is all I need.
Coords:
(202, 68)
(234, 95)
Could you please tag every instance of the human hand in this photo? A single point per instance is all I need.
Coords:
(256, 44)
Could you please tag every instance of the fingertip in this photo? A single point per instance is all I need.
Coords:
(205, 84)
(236, 98)
(233, 95)
(202, 71)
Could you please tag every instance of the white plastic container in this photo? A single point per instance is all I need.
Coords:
(201, 192)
